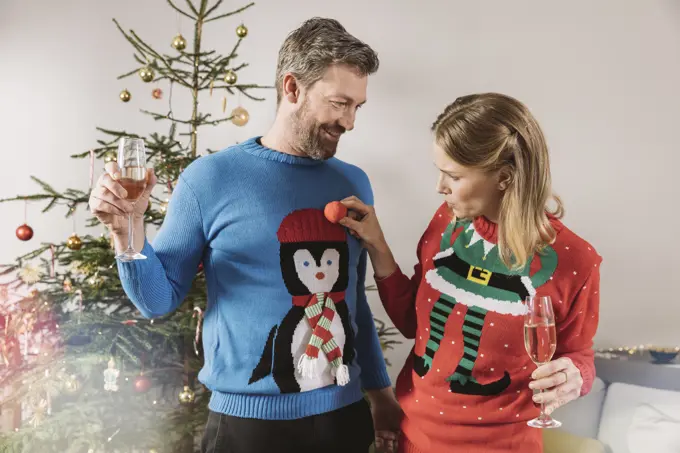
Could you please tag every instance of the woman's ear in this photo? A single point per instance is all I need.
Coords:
(505, 177)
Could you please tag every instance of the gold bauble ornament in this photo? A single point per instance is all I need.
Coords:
(125, 96)
(74, 242)
(241, 31)
(187, 396)
(110, 157)
(146, 74)
(230, 77)
(179, 42)
(240, 116)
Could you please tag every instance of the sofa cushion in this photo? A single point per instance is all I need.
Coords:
(619, 412)
(581, 417)
(656, 428)
(559, 441)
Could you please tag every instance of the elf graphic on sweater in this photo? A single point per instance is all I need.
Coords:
(470, 272)
(314, 343)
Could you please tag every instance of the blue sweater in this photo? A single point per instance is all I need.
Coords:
(254, 218)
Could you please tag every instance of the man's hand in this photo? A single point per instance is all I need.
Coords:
(108, 199)
(387, 417)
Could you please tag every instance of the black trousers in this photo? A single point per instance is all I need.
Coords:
(346, 430)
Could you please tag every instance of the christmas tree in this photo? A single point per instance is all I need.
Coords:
(80, 369)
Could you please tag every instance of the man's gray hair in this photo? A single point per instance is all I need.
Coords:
(317, 44)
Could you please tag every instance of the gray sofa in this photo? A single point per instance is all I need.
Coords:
(634, 407)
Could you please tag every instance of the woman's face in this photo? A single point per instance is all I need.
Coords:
(469, 192)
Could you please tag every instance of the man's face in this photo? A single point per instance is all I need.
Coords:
(327, 110)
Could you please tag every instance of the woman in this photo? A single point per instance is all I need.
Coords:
(469, 385)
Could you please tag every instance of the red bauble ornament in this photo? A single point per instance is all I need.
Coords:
(335, 211)
(24, 232)
(142, 384)
(157, 93)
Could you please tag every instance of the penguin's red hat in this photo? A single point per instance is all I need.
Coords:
(309, 225)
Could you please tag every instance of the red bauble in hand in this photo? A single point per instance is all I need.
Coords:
(142, 384)
(24, 232)
(335, 211)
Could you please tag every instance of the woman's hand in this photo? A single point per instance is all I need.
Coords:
(561, 381)
(363, 224)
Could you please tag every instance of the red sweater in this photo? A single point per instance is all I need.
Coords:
(465, 386)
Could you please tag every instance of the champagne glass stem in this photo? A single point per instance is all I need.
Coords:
(130, 232)
(543, 416)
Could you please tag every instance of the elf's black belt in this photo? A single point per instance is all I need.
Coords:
(512, 283)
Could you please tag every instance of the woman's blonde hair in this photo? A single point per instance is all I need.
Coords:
(494, 132)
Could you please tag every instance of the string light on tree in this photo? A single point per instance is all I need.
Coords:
(164, 206)
(71, 384)
(187, 396)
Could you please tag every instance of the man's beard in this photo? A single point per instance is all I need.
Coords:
(309, 136)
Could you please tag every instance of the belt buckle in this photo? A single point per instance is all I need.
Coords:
(479, 275)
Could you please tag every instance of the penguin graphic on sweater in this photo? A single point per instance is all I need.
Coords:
(314, 343)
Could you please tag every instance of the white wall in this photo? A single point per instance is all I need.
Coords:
(602, 78)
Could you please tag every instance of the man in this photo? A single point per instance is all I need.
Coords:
(288, 336)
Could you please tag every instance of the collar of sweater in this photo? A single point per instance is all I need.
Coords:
(254, 147)
(488, 230)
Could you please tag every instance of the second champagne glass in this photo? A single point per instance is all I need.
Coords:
(132, 164)
(540, 341)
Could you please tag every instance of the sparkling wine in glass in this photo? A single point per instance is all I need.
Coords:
(132, 165)
(540, 342)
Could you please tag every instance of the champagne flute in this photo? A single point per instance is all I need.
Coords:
(540, 342)
(132, 165)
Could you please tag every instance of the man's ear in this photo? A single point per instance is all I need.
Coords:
(291, 88)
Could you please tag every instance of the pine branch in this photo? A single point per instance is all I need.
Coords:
(213, 8)
(240, 10)
(193, 8)
(221, 64)
(145, 49)
(72, 197)
(181, 11)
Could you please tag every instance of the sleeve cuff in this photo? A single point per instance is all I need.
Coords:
(587, 373)
(375, 379)
(383, 282)
(132, 269)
